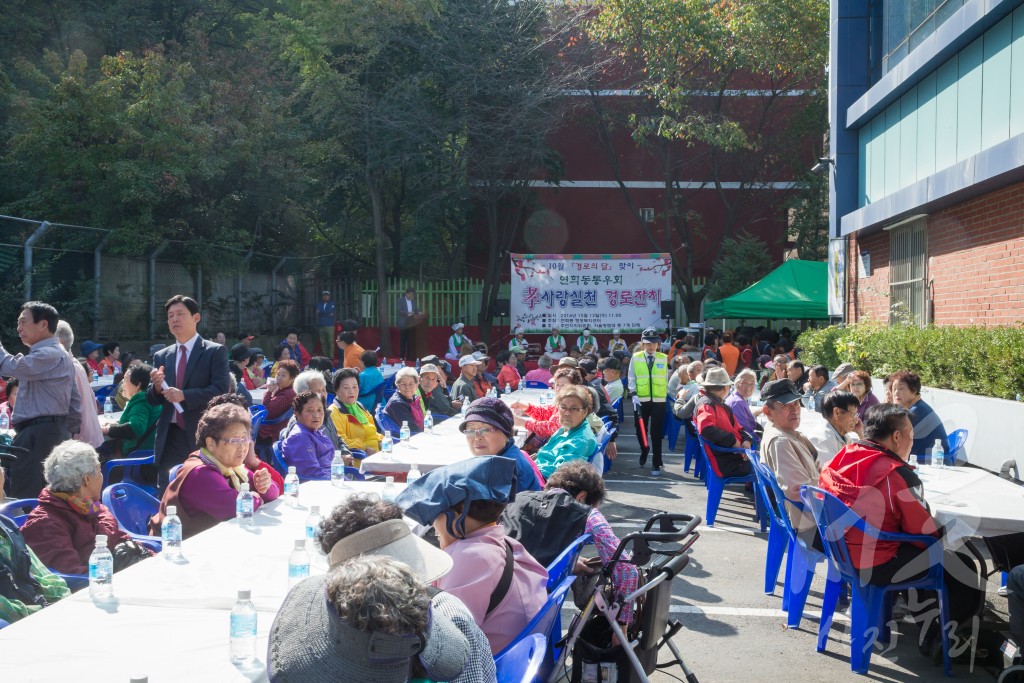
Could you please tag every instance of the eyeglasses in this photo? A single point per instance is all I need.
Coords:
(857, 384)
(570, 409)
(483, 431)
(406, 384)
(237, 441)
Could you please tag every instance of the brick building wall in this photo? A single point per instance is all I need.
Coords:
(975, 263)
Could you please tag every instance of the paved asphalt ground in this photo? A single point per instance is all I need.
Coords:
(732, 631)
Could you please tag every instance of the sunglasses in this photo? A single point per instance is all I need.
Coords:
(237, 441)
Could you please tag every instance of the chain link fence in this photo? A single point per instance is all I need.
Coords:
(107, 296)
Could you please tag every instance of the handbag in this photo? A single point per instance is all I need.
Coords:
(128, 553)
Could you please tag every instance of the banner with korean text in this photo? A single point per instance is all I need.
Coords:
(599, 291)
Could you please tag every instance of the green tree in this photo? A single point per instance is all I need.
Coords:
(808, 226)
(742, 261)
(686, 56)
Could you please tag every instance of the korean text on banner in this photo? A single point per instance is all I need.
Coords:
(595, 291)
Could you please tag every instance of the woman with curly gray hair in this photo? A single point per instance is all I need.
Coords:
(62, 529)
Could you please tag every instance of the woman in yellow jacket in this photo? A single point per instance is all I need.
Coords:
(354, 423)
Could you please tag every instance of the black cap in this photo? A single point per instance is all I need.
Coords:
(781, 390)
(611, 364)
(588, 366)
(239, 352)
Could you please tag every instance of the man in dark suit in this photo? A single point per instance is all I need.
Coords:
(407, 314)
(195, 371)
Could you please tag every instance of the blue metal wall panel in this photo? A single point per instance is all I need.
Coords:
(995, 95)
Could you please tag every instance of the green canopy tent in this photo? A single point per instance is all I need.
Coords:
(796, 290)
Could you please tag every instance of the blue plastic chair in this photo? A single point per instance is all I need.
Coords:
(522, 663)
(617, 404)
(565, 564)
(672, 425)
(278, 462)
(132, 469)
(801, 559)
(4, 623)
(543, 623)
(103, 392)
(870, 605)
(258, 414)
(389, 389)
(535, 384)
(692, 451)
(716, 484)
(132, 507)
(23, 505)
(385, 423)
(957, 441)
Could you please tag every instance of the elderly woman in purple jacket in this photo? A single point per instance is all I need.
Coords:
(305, 447)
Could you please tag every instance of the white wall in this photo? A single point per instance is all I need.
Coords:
(995, 427)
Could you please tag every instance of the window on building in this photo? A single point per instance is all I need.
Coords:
(898, 26)
(908, 252)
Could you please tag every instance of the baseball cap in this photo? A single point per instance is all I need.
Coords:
(587, 365)
(429, 367)
(781, 390)
(467, 360)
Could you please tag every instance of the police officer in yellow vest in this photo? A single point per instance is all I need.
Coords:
(648, 384)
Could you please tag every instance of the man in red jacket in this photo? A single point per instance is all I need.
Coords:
(873, 477)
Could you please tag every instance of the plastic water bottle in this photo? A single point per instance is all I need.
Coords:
(95, 377)
(245, 506)
(312, 523)
(387, 444)
(291, 486)
(5, 422)
(414, 474)
(508, 389)
(913, 461)
(390, 491)
(810, 403)
(170, 535)
(404, 433)
(243, 629)
(465, 407)
(106, 370)
(108, 406)
(338, 470)
(938, 455)
(428, 423)
(101, 570)
(492, 392)
(298, 563)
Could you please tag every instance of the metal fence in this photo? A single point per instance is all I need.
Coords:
(107, 295)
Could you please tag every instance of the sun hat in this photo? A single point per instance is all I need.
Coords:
(394, 539)
(240, 352)
(568, 362)
(781, 390)
(429, 367)
(492, 411)
(843, 370)
(715, 377)
(311, 643)
(438, 491)
(467, 360)
(650, 336)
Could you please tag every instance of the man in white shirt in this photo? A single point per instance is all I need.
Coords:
(839, 409)
(90, 431)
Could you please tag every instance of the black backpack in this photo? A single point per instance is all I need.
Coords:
(16, 580)
(545, 522)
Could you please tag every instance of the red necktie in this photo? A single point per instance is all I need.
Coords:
(179, 418)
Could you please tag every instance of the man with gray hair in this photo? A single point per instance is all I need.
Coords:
(49, 404)
(90, 432)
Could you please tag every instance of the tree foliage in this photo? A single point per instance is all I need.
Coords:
(742, 261)
(691, 58)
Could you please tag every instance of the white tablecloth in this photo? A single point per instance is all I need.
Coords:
(170, 621)
(103, 381)
(445, 446)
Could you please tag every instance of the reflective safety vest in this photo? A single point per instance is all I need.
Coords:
(643, 376)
